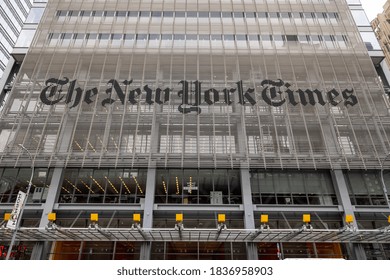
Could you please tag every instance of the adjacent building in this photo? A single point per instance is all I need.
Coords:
(18, 22)
(236, 107)
(381, 27)
(13, 15)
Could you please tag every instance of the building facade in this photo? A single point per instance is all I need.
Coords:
(235, 107)
(13, 15)
(381, 28)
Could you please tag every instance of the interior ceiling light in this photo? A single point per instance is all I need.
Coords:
(73, 185)
(78, 145)
(177, 186)
(123, 182)
(165, 186)
(139, 187)
(65, 189)
(111, 184)
(89, 143)
(97, 183)
(85, 185)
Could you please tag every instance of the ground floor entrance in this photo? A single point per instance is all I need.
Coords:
(115, 250)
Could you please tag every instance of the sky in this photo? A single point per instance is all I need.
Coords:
(373, 7)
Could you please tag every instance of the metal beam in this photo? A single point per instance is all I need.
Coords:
(342, 194)
(199, 235)
(199, 207)
(147, 222)
(246, 193)
(96, 207)
(297, 208)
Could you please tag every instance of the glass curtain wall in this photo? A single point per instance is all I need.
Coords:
(204, 186)
(13, 180)
(292, 187)
(103, 186)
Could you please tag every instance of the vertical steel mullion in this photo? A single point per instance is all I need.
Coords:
(124, 110)
(257, 113)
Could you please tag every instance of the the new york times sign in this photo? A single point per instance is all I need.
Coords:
(192, 95)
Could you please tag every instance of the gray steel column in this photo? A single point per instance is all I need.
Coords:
(147, 221)
(355, 250)
(249, 222)
(42, 249)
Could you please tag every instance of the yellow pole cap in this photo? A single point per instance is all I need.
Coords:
(7, 216)
(348, 219)
(94, 217)
(388, 219)
(221, 218)
(179, 218)
(52, 217)
(306, 218)
(136, 217)
(264, 219)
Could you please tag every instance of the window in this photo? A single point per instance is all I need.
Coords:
(142, 37)
(116, 40)
(365, 188)
(13, 180)
(228, 37)
(241, 37)
(292, 38)
(215, 14)
(156, 14)
(108, 13)
(25, 38)
(177, 14)
(192, 14)
(292, 187)
(103, 39)
(192, 37)
(78, 39)
(133, 14)
(253, 37)
(168, 14)
(145, 14)
(370, 41)
(95, 250)
(346, 145)
(216, 37)
(154, 36)
(97, 13)
(227, 14)
(35, 15)
(204, 186)
(85, 13)
(90, 39)
(121, 14)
